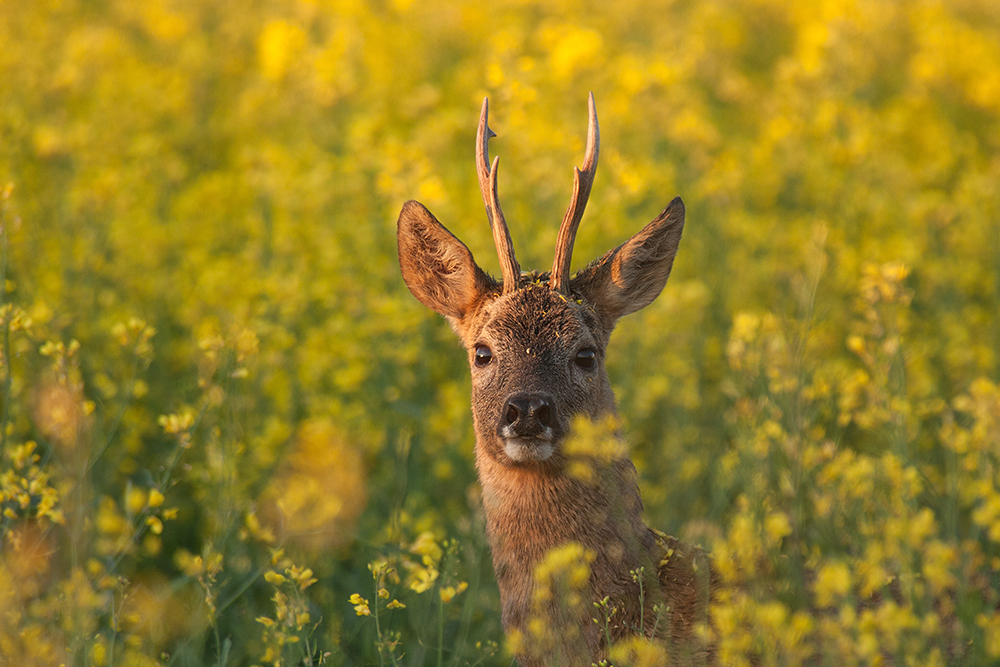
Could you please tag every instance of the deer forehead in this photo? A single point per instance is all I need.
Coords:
(537, 317)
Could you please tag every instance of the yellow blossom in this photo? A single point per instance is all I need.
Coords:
(449, 592)
(360, 605)
(155, 498)
(274, 578)
(423, 579)
(155, 525)
(832, 582)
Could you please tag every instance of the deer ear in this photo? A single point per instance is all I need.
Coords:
(437, 267)
(629, 277)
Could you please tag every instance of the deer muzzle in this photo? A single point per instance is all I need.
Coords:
(528, 427)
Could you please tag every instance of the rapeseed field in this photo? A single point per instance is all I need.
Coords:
(230, 436)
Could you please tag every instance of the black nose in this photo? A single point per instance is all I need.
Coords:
(528, 414)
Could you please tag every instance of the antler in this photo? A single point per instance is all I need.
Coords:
(582, 182)
(509, 268)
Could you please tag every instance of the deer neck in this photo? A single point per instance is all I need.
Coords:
(530, 511)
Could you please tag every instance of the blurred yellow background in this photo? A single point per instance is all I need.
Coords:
(230, 436)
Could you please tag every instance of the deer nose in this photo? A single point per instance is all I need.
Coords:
(528, 414)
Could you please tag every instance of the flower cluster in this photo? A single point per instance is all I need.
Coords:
(854, 554)
(287, 635)
(561, 608)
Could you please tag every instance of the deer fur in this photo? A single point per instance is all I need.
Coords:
(544, 367)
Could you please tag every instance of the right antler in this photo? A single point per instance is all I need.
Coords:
(582, 182)
(509, 268)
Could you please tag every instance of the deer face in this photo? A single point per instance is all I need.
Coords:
(536, 342)
(537, 360)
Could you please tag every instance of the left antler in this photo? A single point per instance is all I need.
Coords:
(509, 268)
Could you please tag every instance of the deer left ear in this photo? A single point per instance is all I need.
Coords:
(632, 275)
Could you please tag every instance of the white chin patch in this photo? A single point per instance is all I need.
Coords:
(527, 449)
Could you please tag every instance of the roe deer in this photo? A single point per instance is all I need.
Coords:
(536, 344)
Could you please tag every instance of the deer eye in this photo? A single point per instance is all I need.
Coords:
(483, 355)
(586, 358)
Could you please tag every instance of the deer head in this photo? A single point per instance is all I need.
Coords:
(536, 346)
(536, 342)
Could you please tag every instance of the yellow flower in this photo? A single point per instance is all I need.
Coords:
(426, 546)
(991, 632)
(274, 578)
(571, 49)
(777, 526)
(360, 605)
(155, 525)
(423, 579)
(99, 653)
(279, 47)
(155, 498)
(832, 582)
(135, 499)
(449, 592)
(177, 423)
(302, 576)
(24, 455)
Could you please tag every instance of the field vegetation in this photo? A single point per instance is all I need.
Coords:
(230, 436)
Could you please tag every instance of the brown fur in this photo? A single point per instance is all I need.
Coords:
(534, 334)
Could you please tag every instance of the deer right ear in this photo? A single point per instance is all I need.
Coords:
(438, 268)
(632, 275)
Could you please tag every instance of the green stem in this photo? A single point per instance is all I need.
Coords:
(607, 623)
(440, 628)
(378, 627)
(642, 603)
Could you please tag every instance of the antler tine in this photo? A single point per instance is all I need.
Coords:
(582, 182)
(509, 268)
